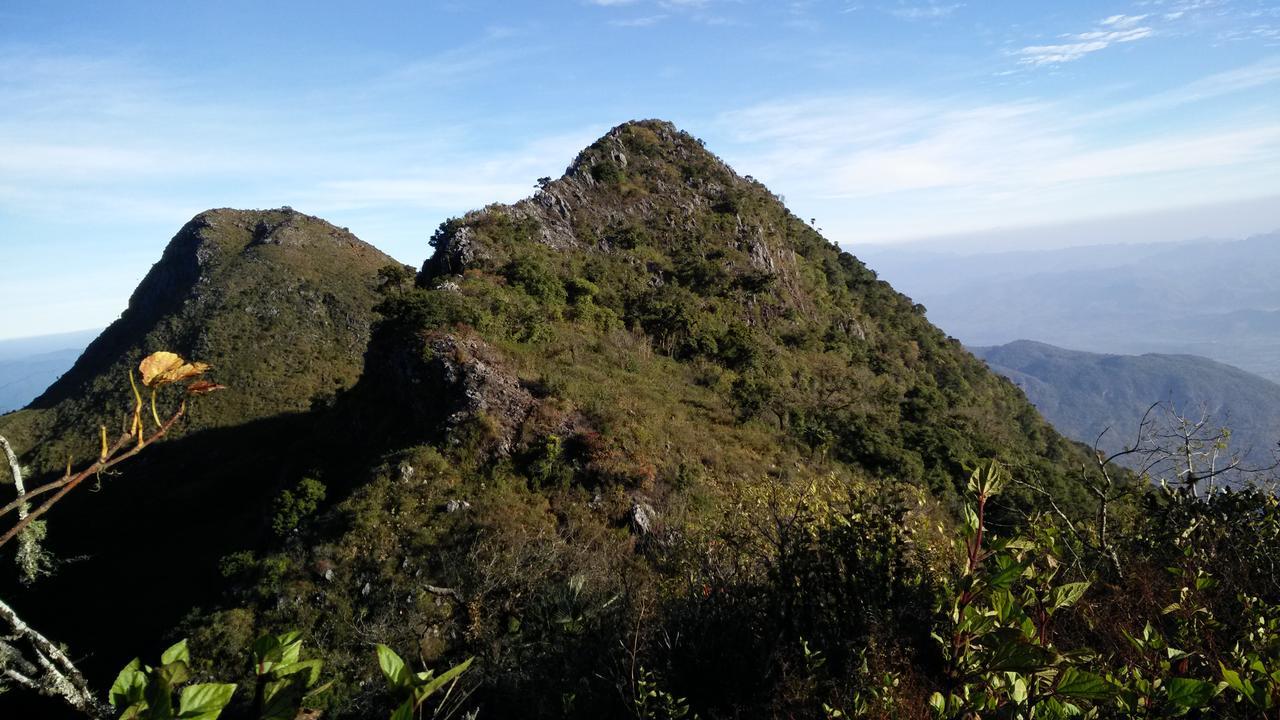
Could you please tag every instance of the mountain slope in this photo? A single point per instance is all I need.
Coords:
(568, 452)
(280, 303)
(1083, 394)
(587, 394)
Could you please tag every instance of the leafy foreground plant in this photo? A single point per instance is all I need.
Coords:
(1000, 655)
(1002, 661)
(284, 683)
(142, 692)
(417, 688)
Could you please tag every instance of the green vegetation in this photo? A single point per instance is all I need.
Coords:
(294, 506)
(646, 445)
(1083, 394)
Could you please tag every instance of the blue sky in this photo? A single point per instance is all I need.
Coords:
(886, 121)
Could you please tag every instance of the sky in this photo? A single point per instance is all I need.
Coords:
(886, 122)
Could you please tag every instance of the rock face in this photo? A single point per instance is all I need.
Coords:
(451, 384)
(279, 302)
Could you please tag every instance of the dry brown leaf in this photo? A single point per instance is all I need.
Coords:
(156, 365)
(162, 368)
(204, 387)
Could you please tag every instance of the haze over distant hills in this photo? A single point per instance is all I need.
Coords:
(1083, 394)
(1218, 299)
(29, 365)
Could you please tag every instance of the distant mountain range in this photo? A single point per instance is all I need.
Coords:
(1084, 393)
(1218, 299)
(29, 365)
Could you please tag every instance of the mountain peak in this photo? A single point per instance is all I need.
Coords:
(251, 291)
(644, 181)
(657, 140)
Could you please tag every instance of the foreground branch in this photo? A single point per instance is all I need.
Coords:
(52, 674)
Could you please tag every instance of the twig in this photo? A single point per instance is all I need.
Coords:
(69, 482)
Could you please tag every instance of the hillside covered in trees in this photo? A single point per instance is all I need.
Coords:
(644, 444)
(1093, 397)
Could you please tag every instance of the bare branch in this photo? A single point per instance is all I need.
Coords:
(57, 677)
(69, 482)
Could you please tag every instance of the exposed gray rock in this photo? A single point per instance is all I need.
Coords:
(643, 517)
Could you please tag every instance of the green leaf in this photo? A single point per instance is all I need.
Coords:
(1011, 652)
(1232, 678)
(1066, 595)
(393, 668)
(1004, 577)
(425, 691)
(404, 712)
(173, 674)
(265, 649)
(158, 694)
(204, 701)
(290, 646)
(281, 699)
(272, 651)
(1190, 693)
(311, 668)
(1074, 683)
(127, 689)
(177, 653)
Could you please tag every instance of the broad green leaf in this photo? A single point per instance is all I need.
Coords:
(404, 712)
(159, 695)
(204, 701)
(938, 703)
(1190, 693)
(393, 668)
(265, 649)
(271, 651)
(291, 645)
(177, 653)
(127, 689)
(310, 669)
(281, 699)
(1004, 577)
(1066, 595)
(1232, 678)
(1011, 652)
(1019, 691)
(425, 691)
(174, 673)
(1074, 683)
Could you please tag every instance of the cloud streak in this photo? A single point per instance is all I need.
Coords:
(871, 163)
(1112, 30)
(930, 11)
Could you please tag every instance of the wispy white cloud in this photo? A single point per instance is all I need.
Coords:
(881, 167)
(701, 11)
(642, 21)
(1110, 31)
(927, 11)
